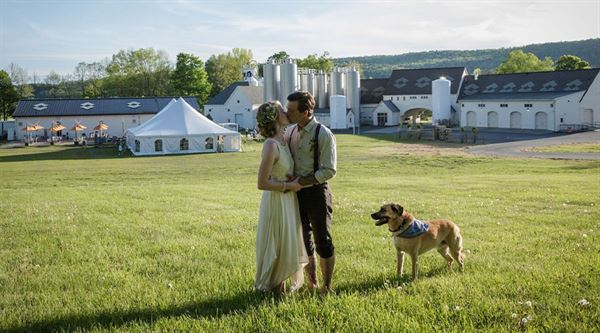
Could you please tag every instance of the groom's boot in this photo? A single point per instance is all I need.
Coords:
(327, 266)
(311, 273)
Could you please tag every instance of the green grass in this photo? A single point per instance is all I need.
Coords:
(570, 148)
(92, 242)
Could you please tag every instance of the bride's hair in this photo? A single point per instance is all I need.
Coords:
(267, 117)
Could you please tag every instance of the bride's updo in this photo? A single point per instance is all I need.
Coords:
(267, 118)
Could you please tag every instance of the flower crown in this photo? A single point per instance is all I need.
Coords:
(268, 116)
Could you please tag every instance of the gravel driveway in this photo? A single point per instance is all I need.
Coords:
(523, 148)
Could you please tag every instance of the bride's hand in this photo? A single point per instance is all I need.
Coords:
(293, 185)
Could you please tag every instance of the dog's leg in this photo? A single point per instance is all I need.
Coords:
(399, 263)
(456, 251)
(415, 265)
(443, 250)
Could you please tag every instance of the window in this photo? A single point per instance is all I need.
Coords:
(238, 101)
(463, 105)
(528, 105)
(184, 144)
(481, 105)
(413, 97)
(551, 105)
(20, 123)
(503, 105)
(133, 121)
(397, 98)
(424, 97)
(209, 143)
(137, 146)
(228, 110)
(403, 98)
(158, 145)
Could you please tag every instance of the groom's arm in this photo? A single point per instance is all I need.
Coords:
(328, 162)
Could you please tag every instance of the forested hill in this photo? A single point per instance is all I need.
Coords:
(381, 66)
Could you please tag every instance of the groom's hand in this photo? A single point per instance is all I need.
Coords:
(308, 180)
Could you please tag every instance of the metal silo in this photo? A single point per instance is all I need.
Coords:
(321, 90)
(270, 81)
(288, 82)
(440, 100)
(310, 82)
(353, 92)
(303, 79)
(337, 82)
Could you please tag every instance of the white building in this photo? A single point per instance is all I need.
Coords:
(238, 103)
(410, 92)
(119, 114)
(555, 100)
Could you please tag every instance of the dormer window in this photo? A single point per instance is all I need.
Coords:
(134, 105)
(87, 105)
(40, 106)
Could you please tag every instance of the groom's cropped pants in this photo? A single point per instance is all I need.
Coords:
(315, 212)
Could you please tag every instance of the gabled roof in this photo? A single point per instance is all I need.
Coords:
(253, 93)
(94, 106)
(390, 105)
(533, 85)
(418, 81)
(372, 90)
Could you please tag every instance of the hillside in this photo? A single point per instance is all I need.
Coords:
(380, 66)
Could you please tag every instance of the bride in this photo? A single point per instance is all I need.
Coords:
(280, 252)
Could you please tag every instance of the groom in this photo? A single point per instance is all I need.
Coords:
(314, 152)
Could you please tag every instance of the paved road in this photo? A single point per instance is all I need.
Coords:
(520, 148)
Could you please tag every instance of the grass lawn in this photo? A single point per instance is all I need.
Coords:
(93, 242)
(570, 148)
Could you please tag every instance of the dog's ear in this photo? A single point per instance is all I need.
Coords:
(398, 209)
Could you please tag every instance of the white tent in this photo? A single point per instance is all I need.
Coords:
(180, 129)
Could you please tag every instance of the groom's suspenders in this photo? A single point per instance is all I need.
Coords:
(316, 147)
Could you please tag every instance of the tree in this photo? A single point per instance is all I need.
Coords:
(570, 63)
(20, 80)
(190, 78)
(143, 72)
(314, 61)
(9, 96)
(519, 62)
(56, 85)
(226, 68)
(280, 56)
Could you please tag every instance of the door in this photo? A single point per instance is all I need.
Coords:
(492, 120)
(588, 117)
(239, 119)
(381, 119)
(471, 119)
(541, 120)
(515, 119)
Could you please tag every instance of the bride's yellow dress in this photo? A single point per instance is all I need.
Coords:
(280, 252)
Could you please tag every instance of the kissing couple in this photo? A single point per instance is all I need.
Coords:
(296, 208)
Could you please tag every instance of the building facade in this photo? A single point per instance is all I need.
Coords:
(119, 114)
(238, 103)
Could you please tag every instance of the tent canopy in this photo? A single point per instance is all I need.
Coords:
(178, 129)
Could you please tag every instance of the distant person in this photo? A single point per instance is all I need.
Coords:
(120, 148)
(280, 253)
(314, 151)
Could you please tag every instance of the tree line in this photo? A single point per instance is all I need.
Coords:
(138, 73)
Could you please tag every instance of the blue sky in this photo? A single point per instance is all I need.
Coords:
(57, 34)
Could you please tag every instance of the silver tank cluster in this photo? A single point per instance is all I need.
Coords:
(280, 80)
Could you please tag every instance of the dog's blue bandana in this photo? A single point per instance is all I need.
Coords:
(415, 229)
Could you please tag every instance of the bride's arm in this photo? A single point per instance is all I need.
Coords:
(269, 156)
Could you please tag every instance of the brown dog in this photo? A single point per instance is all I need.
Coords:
(415, 237)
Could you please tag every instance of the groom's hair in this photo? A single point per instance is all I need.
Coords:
(306, 101)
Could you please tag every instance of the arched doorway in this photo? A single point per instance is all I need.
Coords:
(492, 119)
(416, 115)
(471, 119)
(541, 120)
(515, 119)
